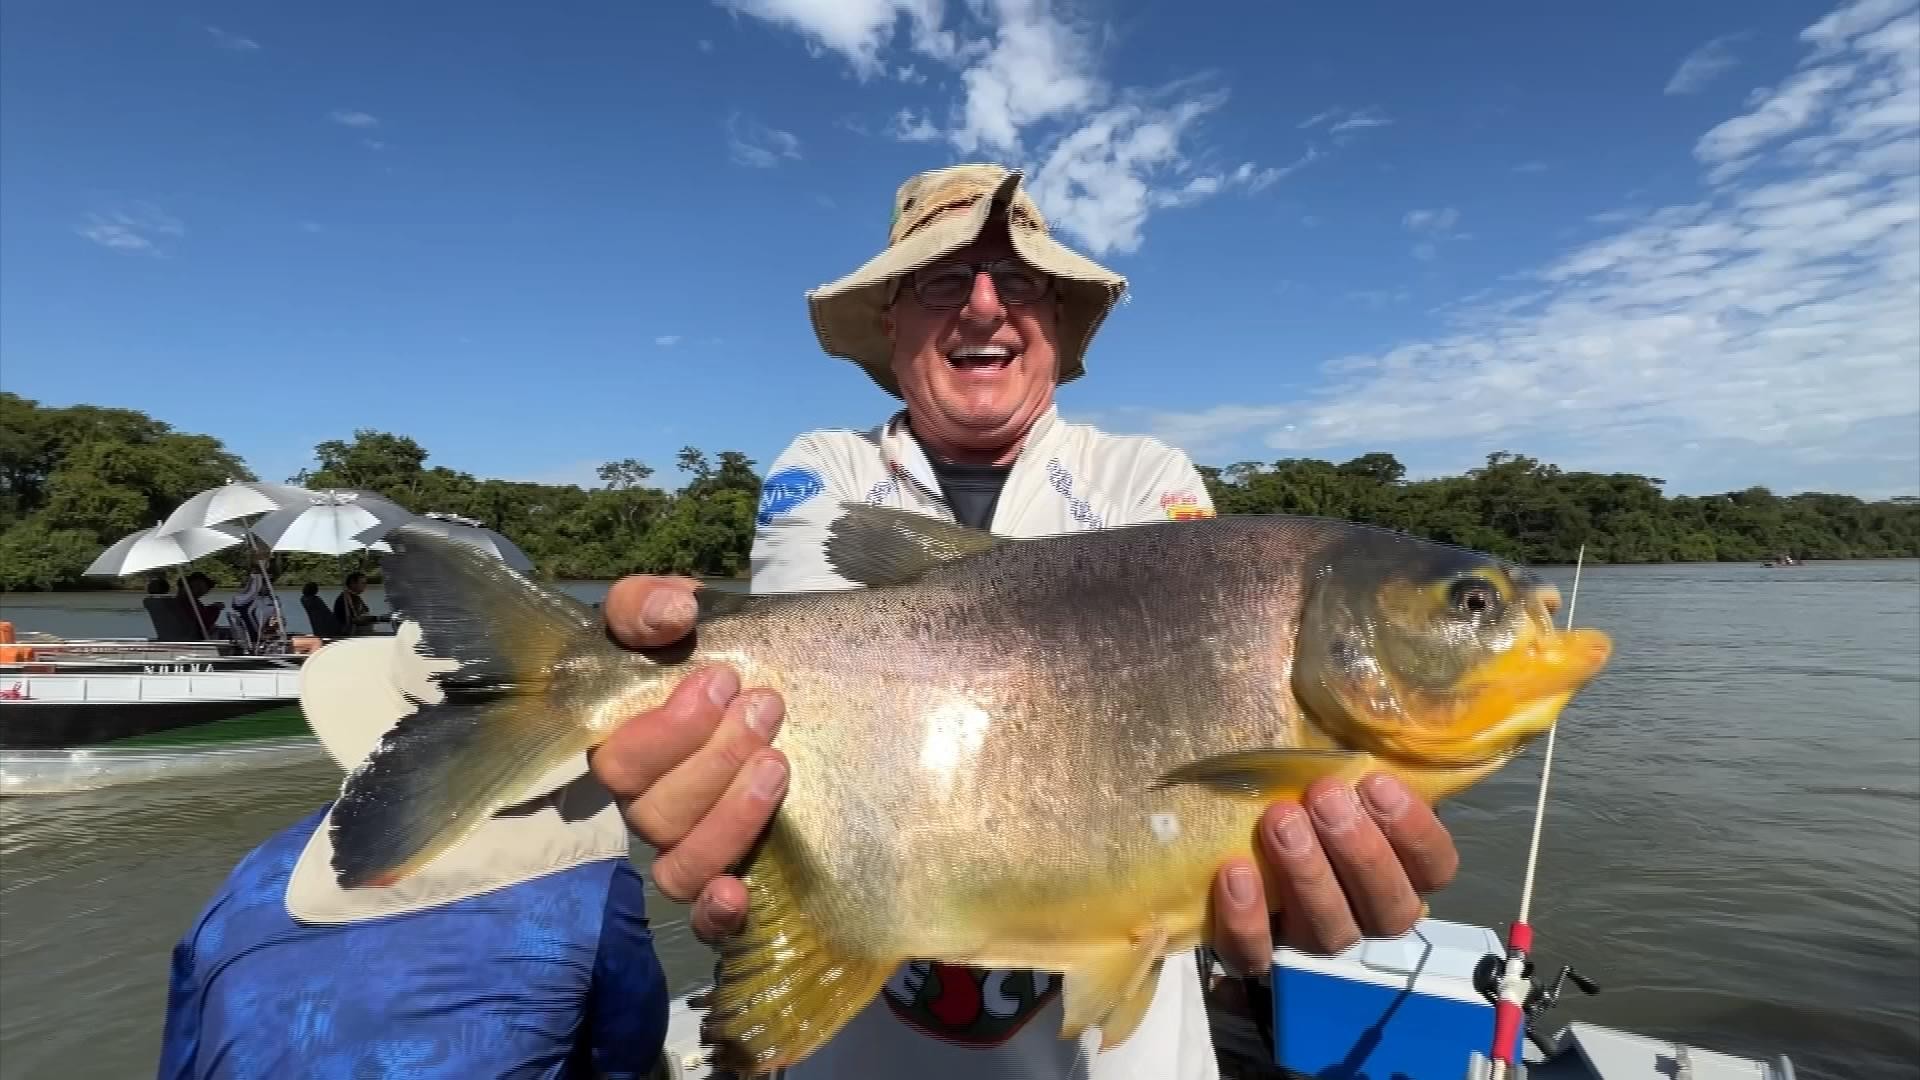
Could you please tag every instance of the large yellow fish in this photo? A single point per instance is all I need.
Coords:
(1004, 753)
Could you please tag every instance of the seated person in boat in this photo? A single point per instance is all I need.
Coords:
(524, 952)
(351, 615)
(204, 617)
(254, 620)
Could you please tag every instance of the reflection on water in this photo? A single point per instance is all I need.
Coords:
(1732, 846)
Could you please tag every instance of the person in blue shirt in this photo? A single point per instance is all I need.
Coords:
(525, 952)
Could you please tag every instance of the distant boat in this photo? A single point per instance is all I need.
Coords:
(78, 714)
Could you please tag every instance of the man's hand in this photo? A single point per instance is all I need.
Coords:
(1347, 863)
(696, 778)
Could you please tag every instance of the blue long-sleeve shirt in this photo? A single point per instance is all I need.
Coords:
(554, 978)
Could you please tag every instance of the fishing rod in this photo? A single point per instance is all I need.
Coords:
(1518, 999)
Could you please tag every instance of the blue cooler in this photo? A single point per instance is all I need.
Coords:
(1400, 1008)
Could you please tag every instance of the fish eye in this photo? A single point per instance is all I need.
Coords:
(1473, 597)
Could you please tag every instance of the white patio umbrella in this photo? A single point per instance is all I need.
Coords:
(466, 531)
(234, 500)
(240, 499)
(151, 549)
(329, 522)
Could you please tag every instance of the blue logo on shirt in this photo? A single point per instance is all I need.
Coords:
(785, 490)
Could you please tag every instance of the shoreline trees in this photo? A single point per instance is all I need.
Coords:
(75, 479)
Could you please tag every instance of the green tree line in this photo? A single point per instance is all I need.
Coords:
(73, 480)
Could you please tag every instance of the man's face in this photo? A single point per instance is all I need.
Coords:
(976, 374)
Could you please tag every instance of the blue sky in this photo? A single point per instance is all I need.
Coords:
(1680, 239)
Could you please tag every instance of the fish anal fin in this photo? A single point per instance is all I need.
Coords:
(784, 985)
(1124, 1020)
(1107, 985)
(1278, 773)
(879, 546)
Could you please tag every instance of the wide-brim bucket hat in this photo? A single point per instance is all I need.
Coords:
(935, 213)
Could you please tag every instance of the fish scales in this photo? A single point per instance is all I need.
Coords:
(1058, 682)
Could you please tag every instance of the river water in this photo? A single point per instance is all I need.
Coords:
(1732, 846)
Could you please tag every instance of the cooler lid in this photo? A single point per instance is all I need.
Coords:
(1434, 948)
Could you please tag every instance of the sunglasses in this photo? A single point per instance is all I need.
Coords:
(949, 284)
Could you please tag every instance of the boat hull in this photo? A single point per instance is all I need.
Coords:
(80, 704)
(34, 725)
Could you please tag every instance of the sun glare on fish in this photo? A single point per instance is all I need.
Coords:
(954, 734)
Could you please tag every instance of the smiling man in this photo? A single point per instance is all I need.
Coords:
(972, 316)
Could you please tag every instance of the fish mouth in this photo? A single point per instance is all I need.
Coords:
(983, 359)
(1504, 703)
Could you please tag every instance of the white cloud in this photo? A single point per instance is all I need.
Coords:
(667, 341)
(1704, 64)
(136, 229)
(1100, 159)
(704, 45)
(1535, 166)
(1434, 227)
(759, 146)
(1434, 221)
(911, 126)
(353, 118)
(1341, 118)
(226, 39)
(1773, 322)
(859, 30)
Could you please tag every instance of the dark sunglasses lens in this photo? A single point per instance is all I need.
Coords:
(949, 286)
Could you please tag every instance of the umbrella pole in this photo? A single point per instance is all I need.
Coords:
(273, 594)
(194, 603)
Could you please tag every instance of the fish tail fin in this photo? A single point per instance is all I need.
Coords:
(439, 773)
(784, 985)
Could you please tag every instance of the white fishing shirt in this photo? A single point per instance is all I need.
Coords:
(933, 1021)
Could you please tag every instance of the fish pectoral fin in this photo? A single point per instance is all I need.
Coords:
(784, 984)
(879, 546)
(1121, 1023)
(1280, 773)
(1115, 985)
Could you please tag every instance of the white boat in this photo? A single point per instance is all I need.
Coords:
(84, 719)
(1415, 1007)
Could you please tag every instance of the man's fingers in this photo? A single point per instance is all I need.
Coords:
(1242, 934)
(675, 804)
(644, 749)
(1314, 915)
(646, 611)
(1377, 889)
(1423, 844)
(721, 910)
(727, 832)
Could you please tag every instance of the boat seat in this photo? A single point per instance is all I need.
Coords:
(169, 622)
(320, 617)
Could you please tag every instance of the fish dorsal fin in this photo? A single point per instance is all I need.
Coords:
(879, 545)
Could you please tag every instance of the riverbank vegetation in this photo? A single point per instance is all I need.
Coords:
(74, 480)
